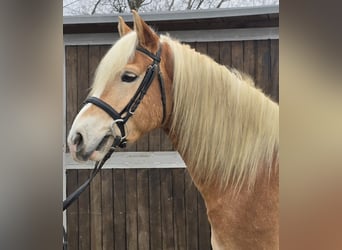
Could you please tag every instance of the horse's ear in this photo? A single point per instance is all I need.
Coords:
(146, 36)
(123, 27)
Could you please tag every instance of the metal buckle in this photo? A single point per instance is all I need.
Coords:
(125, 127)
(130, 110)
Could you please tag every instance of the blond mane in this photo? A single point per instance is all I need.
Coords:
(113, 62)
(227, 129)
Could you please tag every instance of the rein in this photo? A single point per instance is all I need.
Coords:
(120, 119)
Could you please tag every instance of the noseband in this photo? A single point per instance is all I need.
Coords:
(120, 118)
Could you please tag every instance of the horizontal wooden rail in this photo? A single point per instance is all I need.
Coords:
(133, 160)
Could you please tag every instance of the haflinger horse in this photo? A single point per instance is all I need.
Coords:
(225, 129)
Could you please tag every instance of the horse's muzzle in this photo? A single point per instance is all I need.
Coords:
(82, 151)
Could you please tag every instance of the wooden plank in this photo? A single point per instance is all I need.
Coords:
(83, 212)
(72, 212)
(237, 55)
(107, 209)
(165, 142)
(263, 66)
(104, 49)
(119, 208)
(154, 140)
(82, 75)
(202, 47)
(225, 53)
(94, 60)
(143, 209)
(96, 212)
(191, 213)
(275, 69)
(155, 209)
(249, 58)
(131, 209)
(179, 209)
(214, 51)
(191, 44)
(142, 143)
(167, 209)
(203, 225)
(135, 160)
(71, 86)
(131, 147)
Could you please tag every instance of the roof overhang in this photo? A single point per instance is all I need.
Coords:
(232, 18)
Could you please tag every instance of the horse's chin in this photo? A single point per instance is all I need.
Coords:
(93, 156)
(97, 155)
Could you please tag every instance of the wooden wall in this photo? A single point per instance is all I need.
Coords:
(137, 209)
(149, 208)
(257, 58)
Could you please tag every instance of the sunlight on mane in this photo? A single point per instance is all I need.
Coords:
(227, 129)
(113, 62)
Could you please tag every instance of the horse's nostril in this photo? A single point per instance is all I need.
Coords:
(78, 140)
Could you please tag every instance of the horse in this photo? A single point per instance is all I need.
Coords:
(225, 129)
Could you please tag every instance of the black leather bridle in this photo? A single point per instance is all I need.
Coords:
(120, 119)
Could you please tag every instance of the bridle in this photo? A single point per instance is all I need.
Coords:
(120, 119)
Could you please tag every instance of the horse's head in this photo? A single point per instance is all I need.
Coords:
(130, 94)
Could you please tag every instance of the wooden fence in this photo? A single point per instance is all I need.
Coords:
(149, 208)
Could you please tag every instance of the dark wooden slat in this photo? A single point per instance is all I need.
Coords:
(107, 209)
(82, 75)
(104, 49)
(131, 209)
(142, 143)
(71, 85)
(95, 213)
(119, 189)
(165, 142)
(72, 212)
(131, 147)
(192, 44)
(237, 55)
(202, 47)
(225, 53)
(179, 208)
(143, 210)
(203, 225)
(155, 209)
(275, 69)
(249, 58)
(167, 209)
(263, 66)
(84, 218)
(214, 51)
(94, 60)
(191, 213)
(154, 140)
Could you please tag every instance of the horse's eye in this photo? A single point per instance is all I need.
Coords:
(128, 77)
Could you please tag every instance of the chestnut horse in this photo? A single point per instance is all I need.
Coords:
(225, 129)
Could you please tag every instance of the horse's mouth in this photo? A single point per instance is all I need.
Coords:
(97, 153)
(103, 143)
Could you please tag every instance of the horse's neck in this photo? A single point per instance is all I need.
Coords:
(248, 220)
